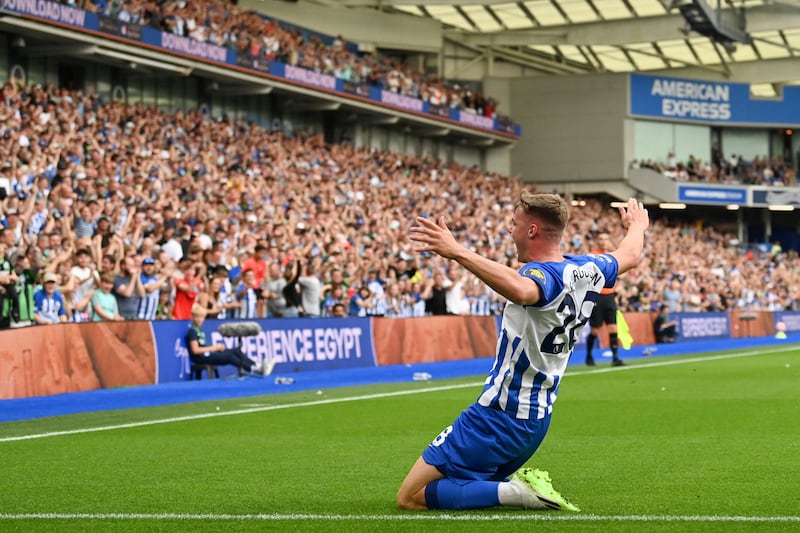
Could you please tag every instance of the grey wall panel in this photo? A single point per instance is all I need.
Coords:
(573, 127)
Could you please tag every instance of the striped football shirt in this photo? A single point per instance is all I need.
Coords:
(536, 341)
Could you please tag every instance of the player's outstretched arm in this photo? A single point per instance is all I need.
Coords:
(636, 220)
(437, 238)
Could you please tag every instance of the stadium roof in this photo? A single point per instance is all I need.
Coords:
(577, 36)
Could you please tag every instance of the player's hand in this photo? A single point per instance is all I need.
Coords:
(432, 237)
(634, 214)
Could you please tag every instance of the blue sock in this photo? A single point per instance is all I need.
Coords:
(457, 494)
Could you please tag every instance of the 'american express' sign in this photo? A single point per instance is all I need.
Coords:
(677, 99)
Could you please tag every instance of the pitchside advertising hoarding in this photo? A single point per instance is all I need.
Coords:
(65, 15)
(703, 326)
(678, 99)
(294, 344)
(790, 318)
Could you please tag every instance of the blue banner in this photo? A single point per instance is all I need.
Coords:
(712, 195)
(294, 344)
(790, 318)
(62, 14)
(703, 326)
(678, 99)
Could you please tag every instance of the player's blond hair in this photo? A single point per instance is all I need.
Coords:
(551, 209)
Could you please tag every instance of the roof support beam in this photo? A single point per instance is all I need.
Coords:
(760, 71)
(771, 17)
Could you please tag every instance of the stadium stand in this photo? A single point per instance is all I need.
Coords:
(764, 170)
(133, 181)
(224, 24)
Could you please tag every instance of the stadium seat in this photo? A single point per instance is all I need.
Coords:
(196, 371)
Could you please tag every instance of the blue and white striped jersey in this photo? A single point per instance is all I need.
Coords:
(248, 303)
(148, 304)
(536, 340)
(49, 307)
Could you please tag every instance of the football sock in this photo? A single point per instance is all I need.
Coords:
(459, 494)
(613, 340)
(512, 495)
(590, 344)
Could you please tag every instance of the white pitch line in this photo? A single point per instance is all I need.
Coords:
(328, 401)
(410, 517)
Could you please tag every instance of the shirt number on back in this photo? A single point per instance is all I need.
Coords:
(573, 322)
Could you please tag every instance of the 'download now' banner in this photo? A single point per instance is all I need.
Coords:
(294, 344)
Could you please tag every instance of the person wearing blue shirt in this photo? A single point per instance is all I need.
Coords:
(246, 294)
(477, 461)
(152, 284)
(48, 304)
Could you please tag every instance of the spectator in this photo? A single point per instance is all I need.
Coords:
(276, 301)
(128, 289)
(48, 302)
(335, 297)
(291, 291)
(22, 303)
(455, 299)
(85, 279)
(187, 288)
(361, 302)
(435, 295)
(164, 309)
(247, 294)
(310, 292)
(104, 303)
(152, 284)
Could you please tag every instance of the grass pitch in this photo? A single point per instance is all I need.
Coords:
(704, 443)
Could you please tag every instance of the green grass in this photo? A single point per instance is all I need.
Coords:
(680, 437)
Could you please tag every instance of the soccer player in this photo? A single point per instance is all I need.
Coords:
(467, 466)
(604, 312)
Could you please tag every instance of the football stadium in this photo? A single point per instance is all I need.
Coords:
(325, 265)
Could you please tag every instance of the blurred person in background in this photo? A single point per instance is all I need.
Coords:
(311, 292)
(604, 311)
(48, 302)
(104, 303)
(664, 328)
(128, 289)
(200, 352)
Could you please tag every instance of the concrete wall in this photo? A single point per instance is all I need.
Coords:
(573, 128)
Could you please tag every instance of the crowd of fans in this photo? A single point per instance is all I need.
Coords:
(222, 23)
(113, 211)
(733, 170)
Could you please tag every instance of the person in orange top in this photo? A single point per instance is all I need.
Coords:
(187, 289)
(604, 312)
(257, 264)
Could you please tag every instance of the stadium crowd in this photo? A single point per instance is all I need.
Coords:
(223, 24)
(732, 170)
(113, 211)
